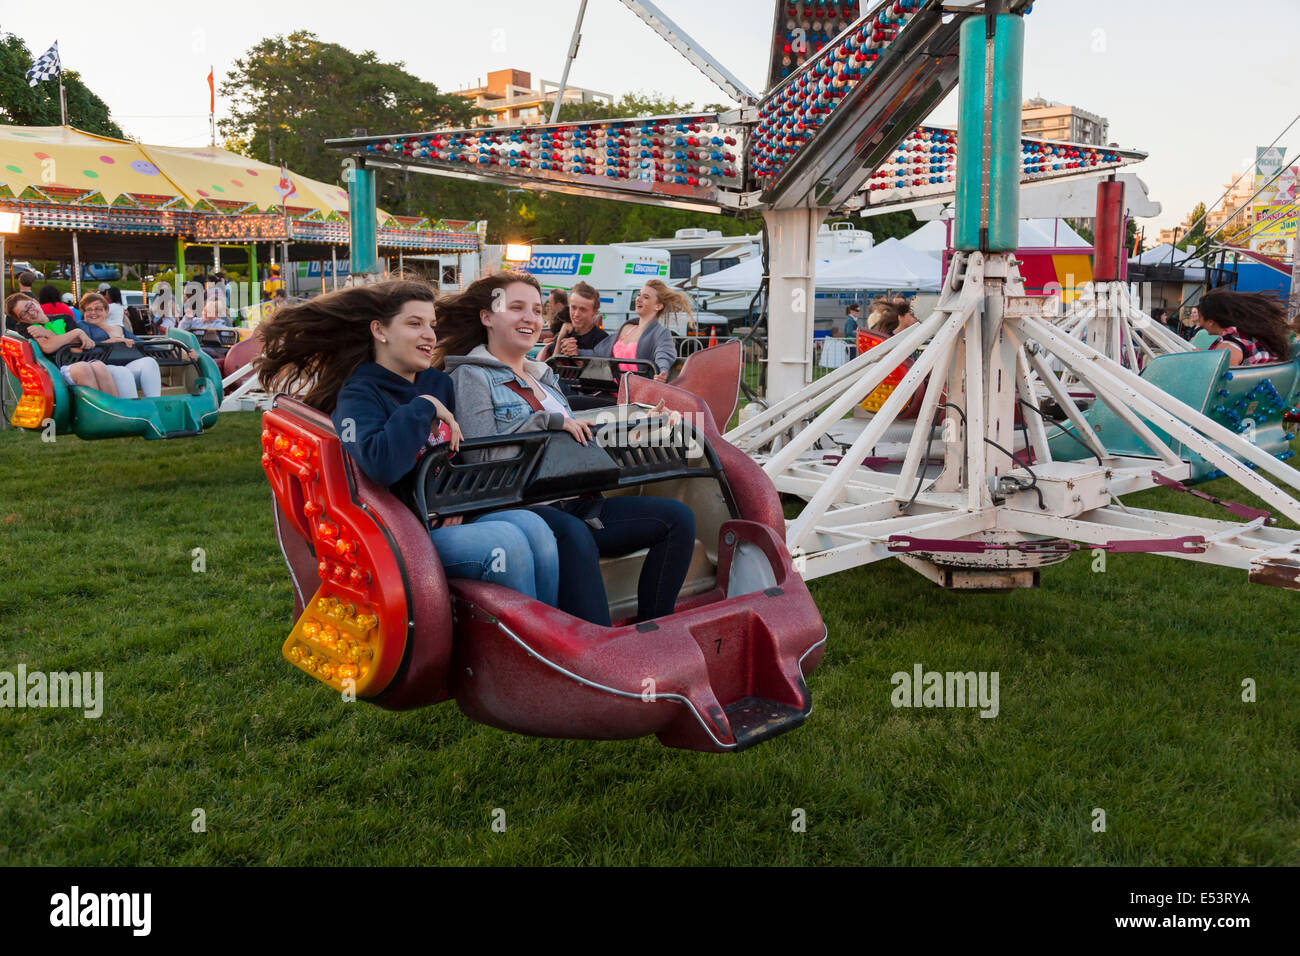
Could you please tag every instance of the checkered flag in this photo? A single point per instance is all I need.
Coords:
(46, 67)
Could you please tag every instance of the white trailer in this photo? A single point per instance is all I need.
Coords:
(617, 272)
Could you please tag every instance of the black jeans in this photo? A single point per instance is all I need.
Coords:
(665, 526)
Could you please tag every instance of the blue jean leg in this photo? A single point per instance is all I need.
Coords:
(546, 558)
(664, 526)
(496, 552)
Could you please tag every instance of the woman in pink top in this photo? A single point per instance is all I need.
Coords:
(647, 339)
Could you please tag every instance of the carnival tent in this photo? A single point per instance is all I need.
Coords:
(67, 165)
(1167, 255)
(1033, 234)
(890, 265)
(127, 200)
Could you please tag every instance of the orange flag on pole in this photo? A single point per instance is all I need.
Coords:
(212, 92)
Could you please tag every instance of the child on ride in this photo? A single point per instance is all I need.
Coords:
(487, 332)
(364, 354)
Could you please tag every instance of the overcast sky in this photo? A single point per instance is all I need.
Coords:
(1196, 83)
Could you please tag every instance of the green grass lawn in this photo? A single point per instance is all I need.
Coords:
(1119, 690)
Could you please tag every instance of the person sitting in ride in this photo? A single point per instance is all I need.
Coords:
(1251, 326)
(883, 319)
(487, 332)
(140, 376)
(647, 339)
(363, 355)
(581, 331)
(25, 317)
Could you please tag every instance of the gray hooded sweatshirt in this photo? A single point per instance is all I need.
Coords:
(480, 379)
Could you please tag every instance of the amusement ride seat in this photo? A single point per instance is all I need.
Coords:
(375, 613)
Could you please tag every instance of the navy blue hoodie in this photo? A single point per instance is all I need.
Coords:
(391, 425)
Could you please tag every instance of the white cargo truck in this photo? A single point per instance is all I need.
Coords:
(617, 272)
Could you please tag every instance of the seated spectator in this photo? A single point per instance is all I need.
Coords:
(1252, 327)
(23, 315)
(142, 373)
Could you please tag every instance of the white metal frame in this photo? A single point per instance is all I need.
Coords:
(985, 346)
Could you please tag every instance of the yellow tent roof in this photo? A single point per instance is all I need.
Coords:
(63, 163)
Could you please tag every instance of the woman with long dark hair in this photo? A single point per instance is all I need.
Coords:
(487, 332)
(1251, 326)
(364, 356)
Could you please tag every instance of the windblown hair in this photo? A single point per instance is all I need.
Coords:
(587, 292)
(317, 345)
(673, 301)
(460, 326)
(883, 318)
(1256, 315)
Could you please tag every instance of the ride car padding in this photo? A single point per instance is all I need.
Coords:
(713, 374)
(755, 495)
(240, 354)
(723, 672)
(1252, 400)
(386, 567)
(91, 414)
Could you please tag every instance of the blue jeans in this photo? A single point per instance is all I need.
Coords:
(512, 548)
(665, 526)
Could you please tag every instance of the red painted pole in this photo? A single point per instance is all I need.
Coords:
(1108, 241)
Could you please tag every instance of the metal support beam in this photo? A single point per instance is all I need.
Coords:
(695, 54)
(792, 297)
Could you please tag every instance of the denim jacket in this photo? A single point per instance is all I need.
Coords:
(487, 406)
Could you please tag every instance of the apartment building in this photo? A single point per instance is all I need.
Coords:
(511, 99)
(1041, 119)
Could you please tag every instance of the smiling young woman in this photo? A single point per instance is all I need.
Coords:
(364, 355)
(488, 330)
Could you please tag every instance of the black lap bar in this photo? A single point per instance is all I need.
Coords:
(545, 466)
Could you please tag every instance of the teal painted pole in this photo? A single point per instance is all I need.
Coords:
(363, 216)
(988, 145)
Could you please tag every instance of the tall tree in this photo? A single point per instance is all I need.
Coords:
(1195, 219)
(25, 105)
(290, 94)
